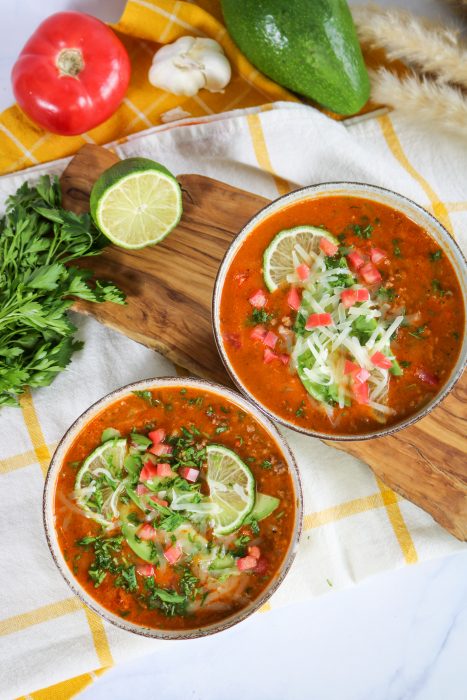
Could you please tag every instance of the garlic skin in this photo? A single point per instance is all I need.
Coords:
(188, 65)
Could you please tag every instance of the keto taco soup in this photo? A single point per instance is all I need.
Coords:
(174, 508)
(340, 315)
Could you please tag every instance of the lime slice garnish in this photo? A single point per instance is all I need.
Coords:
(136, 202)
(278, 260)
(231, 486)
(100, 481)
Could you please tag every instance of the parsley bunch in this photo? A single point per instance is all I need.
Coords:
(38, 241)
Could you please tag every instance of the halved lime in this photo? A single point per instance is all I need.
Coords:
(231, 486)
(100, 481)
(136, 202)
(278, 260)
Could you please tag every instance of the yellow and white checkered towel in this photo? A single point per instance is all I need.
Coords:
(354, 526)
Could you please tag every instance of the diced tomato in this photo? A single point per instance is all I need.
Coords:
(157, 436)
(328, 247)
(141, 490)
(262, 566)
(426, 377)
(361, 375)
(147, 532)
(246, 563)
(145, 570)
(161, 449)
(269, 356)
(270, 340)
(189, 473)
(360, 392)
(159, 501)
(303, 272)
(350, 367)
(258, 333)
(241, 277)
(254, 551)
(258, 299)
(315, 320)
(173, 554)
(362, 294)
(232, 339)
(355, 260)
(377, 255)
(148, 471)
(285, 359)
(293, 299)
(370, 274)
(164, 469)
(380, 360)
(348, 297)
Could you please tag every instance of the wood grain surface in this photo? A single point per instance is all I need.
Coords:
(169, 289)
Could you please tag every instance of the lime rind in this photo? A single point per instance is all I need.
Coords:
(136, 203)
(232, 488)
(278, 259)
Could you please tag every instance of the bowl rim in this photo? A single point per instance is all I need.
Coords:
(299, 194)
(56, 464)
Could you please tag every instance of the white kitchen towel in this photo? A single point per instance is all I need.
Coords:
(354, 527)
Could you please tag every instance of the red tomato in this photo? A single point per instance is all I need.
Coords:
(72, 73)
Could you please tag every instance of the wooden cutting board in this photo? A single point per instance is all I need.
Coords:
(169, 289)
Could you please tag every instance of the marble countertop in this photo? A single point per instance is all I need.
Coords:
(399, 636)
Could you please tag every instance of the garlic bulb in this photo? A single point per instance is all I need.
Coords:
(188, 65)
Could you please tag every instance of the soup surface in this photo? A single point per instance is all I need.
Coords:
(174, 508)
(341, 315)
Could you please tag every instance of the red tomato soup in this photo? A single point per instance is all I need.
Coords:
(174, 508)
(345, 327)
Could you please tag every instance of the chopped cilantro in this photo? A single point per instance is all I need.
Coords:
(418, 332)
(254, 527)
(386, 294)
(404, 363)
(127, 579)
(363, 232)
(189, 584)
(259, 316)
(437, 255)
(242, 540)
(437, 288)
(148, 397)
(396, 250)
(266, 464)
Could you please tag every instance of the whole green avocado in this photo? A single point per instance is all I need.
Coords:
(308, 46)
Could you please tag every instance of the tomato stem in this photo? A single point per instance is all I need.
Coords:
(70, 62)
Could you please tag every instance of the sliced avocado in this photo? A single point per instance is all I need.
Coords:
(264, 506)
(135, 498)
(221, 563)
(321, 392)
(143, 548)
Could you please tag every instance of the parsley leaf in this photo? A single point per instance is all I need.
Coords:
(38, 241)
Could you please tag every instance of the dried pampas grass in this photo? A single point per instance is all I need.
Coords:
(425, 45)
(436, 105)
